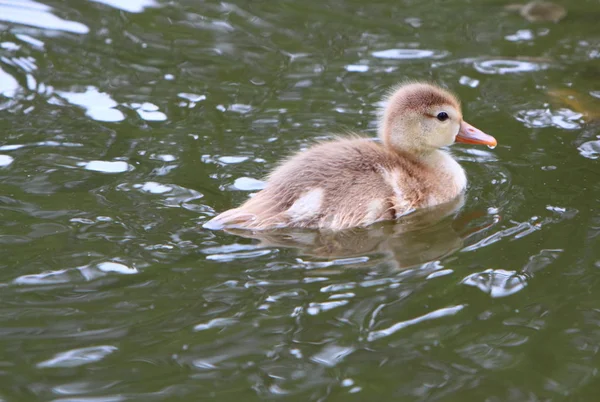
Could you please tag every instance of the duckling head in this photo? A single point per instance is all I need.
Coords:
(421, 117)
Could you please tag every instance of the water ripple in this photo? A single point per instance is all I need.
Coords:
(6, 160)
(561, 118)
(409, 54)
(132, 6)
(99, 105)
(78, 357)
(331, 355)
(443, 312)
(497, 282)
(8, 84)
(508, 66)
(590, 149)
(127, 124)
(29, 12)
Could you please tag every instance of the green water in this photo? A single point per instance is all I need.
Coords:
(127, 124)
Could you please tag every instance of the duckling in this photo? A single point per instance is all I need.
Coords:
(354, 182)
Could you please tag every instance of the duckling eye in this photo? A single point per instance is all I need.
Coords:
(442, 116)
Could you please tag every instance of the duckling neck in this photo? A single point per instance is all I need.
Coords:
(446, 166)
(442, 167)
(429, 157)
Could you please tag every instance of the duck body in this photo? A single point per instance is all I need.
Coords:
(354, 181)
(346, 183)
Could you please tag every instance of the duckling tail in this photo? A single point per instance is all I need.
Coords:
(233, 218)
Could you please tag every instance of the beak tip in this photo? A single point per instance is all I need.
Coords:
(471, 135)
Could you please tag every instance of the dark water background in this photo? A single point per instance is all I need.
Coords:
(127, 124)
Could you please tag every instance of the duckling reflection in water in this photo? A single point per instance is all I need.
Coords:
(355, 182)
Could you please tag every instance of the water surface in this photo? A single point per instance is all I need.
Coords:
(127, 124)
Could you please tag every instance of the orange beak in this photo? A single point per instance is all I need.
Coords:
(471, 135)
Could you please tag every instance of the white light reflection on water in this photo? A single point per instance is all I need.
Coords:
(110, 266)
(106, 166)
(216, 323)
(12, 147)
(507, 66)
(191, 97)
(468, 81)
(443, 312)
(248, 184)
(99, 105)
(331, 355)
(6, 160)
(132, 6)
(519, 230)
(149, 111)
(408, 54)
(561, 118)
(315, 308)
(8, 84)
(45, 278)
(240, 108)
(231, 160)
(36, 43)
(239, 256)
(357, 68)
(28, 12)
(78, 357)
(590, 149)
(10, 46)
(70, 275)
(520, 36)
(153, 187)
(497, 282)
